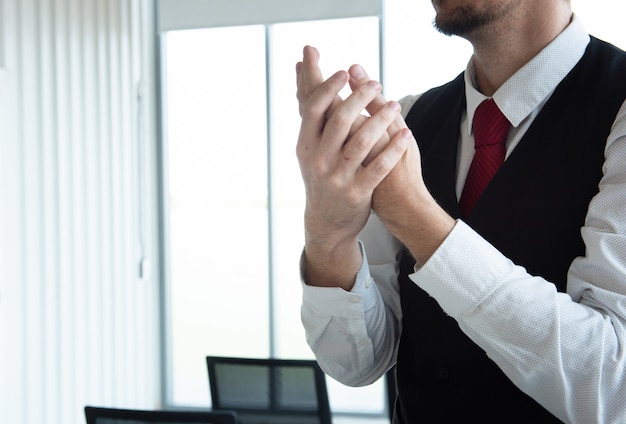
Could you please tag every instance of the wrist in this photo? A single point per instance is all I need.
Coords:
(422, 227)
(334, 266)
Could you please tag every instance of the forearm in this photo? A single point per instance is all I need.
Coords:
(566, 353)
(354, 334)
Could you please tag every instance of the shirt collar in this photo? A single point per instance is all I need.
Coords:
(531, 85)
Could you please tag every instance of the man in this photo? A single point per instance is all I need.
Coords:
(510, 306)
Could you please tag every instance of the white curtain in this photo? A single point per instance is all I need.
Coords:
(78, 277)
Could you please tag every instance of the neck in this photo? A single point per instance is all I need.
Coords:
(505, 46)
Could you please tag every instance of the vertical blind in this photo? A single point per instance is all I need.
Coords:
(78, 307)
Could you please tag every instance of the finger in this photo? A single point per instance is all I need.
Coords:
(315, 108)
(312, 72)
(371, 134)
(338, 126)
(358, 77)
(309, 74)
(370, 176)
(309, 77)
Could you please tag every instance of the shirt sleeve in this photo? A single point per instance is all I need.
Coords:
(566, 350)
(354, 335)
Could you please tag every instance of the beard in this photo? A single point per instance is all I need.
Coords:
(464, 20)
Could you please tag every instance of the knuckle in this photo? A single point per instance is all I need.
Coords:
(302, 151)
(363, 96)
(334, 181)
(361, 141)
(311, 109)
(337, 186)
(314, 102)
(340, 119)
(320, 167)
(387, 114)
(368, 90)
(327, 87)
(352, 196)
(381, 167)
(303, 93)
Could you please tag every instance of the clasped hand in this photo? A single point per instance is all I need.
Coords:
(351, 164)
(344, 155)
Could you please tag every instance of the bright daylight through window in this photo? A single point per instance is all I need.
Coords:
(235, 194)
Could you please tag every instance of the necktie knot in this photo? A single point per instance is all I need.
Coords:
(490, 130)
(490, 125)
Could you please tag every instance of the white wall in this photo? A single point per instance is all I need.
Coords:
(78, 324)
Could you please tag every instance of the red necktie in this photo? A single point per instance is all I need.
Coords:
(490, 130)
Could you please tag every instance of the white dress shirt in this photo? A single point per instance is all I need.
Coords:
(566, 350)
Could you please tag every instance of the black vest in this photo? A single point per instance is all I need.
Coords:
(532, 211)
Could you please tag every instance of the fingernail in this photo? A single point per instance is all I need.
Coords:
(358, 72)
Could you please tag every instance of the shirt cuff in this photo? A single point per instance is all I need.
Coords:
(463, 271)
(336, 301)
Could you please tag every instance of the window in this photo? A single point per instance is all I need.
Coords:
(234, 198)
(218, 216)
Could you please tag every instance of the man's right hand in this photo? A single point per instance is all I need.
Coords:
(331, 150)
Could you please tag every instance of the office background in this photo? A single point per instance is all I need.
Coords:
(88, 269)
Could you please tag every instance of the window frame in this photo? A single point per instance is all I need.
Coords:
(327, 10)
